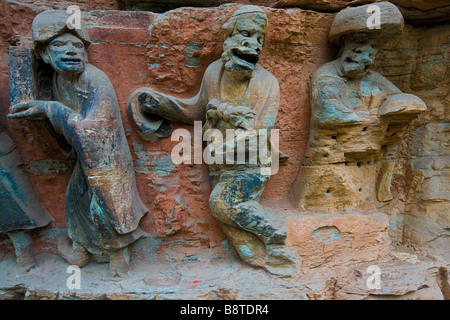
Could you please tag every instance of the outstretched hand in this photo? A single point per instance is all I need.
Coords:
(31, 110)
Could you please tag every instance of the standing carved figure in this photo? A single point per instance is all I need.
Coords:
(20, 207)
(358, 119)
(236, 93)
(103, 208)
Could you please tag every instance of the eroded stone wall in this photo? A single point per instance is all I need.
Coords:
(170, 52)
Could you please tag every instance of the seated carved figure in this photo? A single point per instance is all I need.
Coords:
(357, 121)
(20, 207)
(236, 93)
(103, 207)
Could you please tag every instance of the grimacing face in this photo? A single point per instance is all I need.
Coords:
(243, 46)
(357, 58)
(66, 54)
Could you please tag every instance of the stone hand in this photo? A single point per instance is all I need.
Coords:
(34, 110)
(238, 116)
(150, 102)
(31, 110)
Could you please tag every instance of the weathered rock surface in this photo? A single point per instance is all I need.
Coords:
(171, 52)
(177, 270)
(417, 11)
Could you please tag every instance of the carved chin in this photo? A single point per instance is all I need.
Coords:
(242, 59)
(354, 69)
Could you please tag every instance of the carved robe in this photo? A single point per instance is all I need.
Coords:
(356, 125)
(262, 96)
(234, 200)
(103, 207)
(20, 206)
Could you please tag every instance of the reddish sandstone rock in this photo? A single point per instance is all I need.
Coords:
(335, 240)
(171, 52)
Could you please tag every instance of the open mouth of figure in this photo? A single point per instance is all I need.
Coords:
(357, 65)
(245, 57)
(71, 60)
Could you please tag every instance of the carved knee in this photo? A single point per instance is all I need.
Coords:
(221, 208)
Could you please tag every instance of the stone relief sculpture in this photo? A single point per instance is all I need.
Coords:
(236, 93)
(103, 208)
(20, 207)
(357, 121)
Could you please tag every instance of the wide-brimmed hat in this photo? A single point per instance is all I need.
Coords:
(359, 21)
(50, 24)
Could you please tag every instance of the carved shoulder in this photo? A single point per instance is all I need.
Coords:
(96, 79)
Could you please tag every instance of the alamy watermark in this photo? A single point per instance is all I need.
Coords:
(374, 21)
(74, 20)
(374, 280)
(74, 280)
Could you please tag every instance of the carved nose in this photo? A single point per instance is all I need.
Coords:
(70, 49)
(252, 44)
(367, 60)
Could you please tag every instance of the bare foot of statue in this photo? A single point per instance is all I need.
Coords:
(24, 250)
(119, 262)
(281, 260)
(73, 252)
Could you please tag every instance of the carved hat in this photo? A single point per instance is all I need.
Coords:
(247, 10)
(50, 24)
(379, 22)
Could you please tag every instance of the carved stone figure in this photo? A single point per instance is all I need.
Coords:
(20, 207)
(357, 121)
(236, 93)
(103, 207)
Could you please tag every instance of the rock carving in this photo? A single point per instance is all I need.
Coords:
(103, 208)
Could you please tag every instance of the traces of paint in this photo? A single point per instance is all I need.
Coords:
(138, 146)
(153, 64)
(190, 258)
(227, 246)
(158, 162)
(245, 251)
(173, 260)
(325, 234)
(192, 57)
(145, 248)
(47, 166)
(216, 259)
(396, 224)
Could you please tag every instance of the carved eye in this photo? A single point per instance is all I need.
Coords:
(57, 44)
(245, 33)
(79, 45)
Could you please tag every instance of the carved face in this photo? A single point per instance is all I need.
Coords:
(244, 44)
(357, 58)
(66, 54)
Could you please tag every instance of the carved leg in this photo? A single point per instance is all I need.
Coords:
(235, 201)
(119, 262)
(257, 234)
(73, 252)
(385, 171)
(24, 249)
(249, 247)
